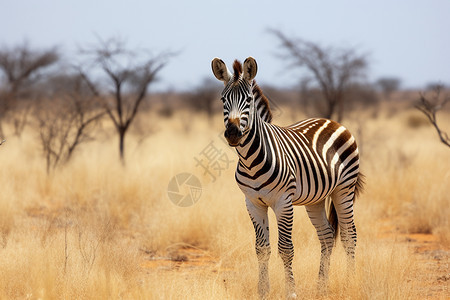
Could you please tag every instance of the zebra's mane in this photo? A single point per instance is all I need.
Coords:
(261, 101)
(237, 68)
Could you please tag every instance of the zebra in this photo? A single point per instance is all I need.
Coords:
(314, 163)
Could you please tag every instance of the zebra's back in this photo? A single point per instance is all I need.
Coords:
(324, 155)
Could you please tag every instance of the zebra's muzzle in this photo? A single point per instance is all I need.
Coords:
(233, 135)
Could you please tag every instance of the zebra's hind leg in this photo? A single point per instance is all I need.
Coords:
(258, 215)
(343, 202)
(284, 212)
(326, 234)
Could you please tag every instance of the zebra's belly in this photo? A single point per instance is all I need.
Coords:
(309, 200)
(268, 190)
(300, 194)
(312, 193)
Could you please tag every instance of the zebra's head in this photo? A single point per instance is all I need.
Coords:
(237, 97)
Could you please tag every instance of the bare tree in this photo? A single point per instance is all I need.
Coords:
(388, 85)
(21, 68)
(331, 69)
(127, 75)
(431, 107)
(66, 119)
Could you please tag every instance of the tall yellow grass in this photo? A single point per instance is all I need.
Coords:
(86, 230)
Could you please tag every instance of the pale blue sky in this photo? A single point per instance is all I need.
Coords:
(409, 39)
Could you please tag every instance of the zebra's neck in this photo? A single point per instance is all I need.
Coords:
(253, 140)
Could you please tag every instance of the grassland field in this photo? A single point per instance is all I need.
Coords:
(96, 229)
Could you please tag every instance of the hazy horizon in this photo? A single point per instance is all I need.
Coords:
(403, 39)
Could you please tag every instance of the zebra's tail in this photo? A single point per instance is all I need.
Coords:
(359, 186)
(333, 219)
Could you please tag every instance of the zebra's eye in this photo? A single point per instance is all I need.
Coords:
(222, 99)
(249, 98)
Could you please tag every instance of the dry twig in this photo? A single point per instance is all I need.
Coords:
(429, 108)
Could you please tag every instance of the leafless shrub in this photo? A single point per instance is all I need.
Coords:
(20, 117)
(65, 121)
(434, 85)
(21, 68)
(204, 97)
(363, 97)
(415, 121)
(167, 103)
(431, 107)
(388, 85)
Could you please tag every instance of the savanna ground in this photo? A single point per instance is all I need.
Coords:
(94, 229)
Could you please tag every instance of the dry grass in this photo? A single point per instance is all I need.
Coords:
(412, 168)
(87, 230)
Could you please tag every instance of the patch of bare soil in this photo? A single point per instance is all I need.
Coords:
(430, 277)
(180, 257)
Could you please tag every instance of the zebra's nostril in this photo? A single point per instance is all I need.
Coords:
(232, 130)
(233, 134)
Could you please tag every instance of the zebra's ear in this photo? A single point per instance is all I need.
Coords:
(250, 68)
(220, 70)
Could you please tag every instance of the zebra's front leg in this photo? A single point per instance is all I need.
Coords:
(284, 212)
(258, 215)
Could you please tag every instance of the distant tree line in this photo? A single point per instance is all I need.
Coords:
(65, 102)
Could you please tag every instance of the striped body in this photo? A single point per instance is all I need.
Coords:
(305, 161)
(279, 167)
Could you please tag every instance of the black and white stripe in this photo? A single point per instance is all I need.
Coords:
(302, 164)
